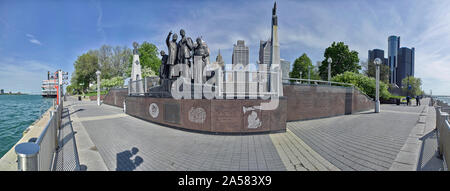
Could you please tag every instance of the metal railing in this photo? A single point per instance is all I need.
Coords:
(443, 131)
(252, 78)
(39, 155)
(298, 81)
(142, 86)
(317, 82)
(247, 83)
(250, 83)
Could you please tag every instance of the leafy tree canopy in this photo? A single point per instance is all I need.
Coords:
(370, 70)
(85, 67)
(342, 60)
(303, 64)
(113, 61)
(416, 86)
(148, 55)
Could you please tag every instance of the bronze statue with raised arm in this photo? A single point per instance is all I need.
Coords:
(172, 48)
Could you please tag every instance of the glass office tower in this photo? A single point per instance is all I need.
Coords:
(405, 64)
(393, 47)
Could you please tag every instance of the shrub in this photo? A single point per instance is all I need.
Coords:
(363, 83)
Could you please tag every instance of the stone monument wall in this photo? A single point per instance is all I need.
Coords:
(94, 98)
(115, 97)
(234, 116)
(319, 101)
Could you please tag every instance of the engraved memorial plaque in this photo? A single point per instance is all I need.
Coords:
(172, 113)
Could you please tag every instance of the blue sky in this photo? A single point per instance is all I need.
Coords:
(36, 36)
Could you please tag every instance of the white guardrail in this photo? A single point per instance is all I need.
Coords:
(443, 131)
(39, 155)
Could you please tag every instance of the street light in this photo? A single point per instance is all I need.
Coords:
(309, 74)
(329, 69)
(98, 86)
(377, 62)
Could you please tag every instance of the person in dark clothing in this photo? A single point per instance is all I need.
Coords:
(417, 100)
(407, 100)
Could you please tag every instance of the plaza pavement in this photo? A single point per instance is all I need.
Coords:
(108, 139)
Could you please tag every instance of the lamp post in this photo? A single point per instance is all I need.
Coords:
(98, 87)
(309, 74)
(377, 62)
(329, 69)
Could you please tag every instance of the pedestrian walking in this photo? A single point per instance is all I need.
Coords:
(407, 100)
(417, 100)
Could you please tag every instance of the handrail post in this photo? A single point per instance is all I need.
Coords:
(442, 132)
(438, 109)
(53, 116)
(27, 156)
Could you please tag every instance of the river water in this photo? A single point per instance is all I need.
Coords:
(17, 112)
(444, 99)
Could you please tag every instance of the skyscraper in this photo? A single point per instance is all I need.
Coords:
(393, 46)
(220, 61)
(240, 54)
(401, 61)
(376, 53)
(285, 69)
(264, 52)
(405, 64)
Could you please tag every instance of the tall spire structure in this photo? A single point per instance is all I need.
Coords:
(275, 53)
(220, 61)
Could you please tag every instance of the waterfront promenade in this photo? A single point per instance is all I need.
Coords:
(108, 139)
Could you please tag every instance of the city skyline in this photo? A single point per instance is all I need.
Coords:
(400, 60)
(47, 35)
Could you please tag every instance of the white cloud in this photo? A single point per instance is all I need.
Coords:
(32, 39)
(99, 21)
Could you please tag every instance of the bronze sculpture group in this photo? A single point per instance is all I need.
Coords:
(181, 52)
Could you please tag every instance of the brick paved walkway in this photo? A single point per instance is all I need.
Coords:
(297, 156)
(364, 141)
(127, 143)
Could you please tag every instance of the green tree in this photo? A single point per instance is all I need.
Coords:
(416, 86)
(370, 70)
(85, 67)
(70, 89)
(146, 72)
(117, 81)
(365, 84)
(301, 64)
(148, 55)
(342, 60)
(113, 61)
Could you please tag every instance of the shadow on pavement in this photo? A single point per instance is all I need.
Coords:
(83, 167)
(66, 157)
(429, 158)
(125, 161)
(68, 114)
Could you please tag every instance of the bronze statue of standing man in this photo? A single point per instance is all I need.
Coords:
(185, 46)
